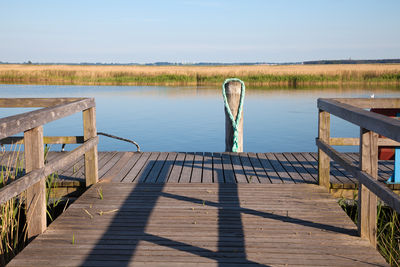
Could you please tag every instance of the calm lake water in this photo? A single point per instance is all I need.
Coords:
(192, 119)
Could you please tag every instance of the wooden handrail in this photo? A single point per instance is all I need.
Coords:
(20, 185)
(371, 124)
(378, 123)
(371, 102)
(46, 140)
(379, 189)
(31, 123)
(35, 102)
(22, 122)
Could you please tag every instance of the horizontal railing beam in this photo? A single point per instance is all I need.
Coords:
(35, 102)
(371, 102)
(349, 141)
(20, 185)
(46, 140)
(375, 122)
(22, 122)
(382, 191)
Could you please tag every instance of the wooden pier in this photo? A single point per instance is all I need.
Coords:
(207, 167)
(203, 209)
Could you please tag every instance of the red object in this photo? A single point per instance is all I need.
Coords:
(384, 152)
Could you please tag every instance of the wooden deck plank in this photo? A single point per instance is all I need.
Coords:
(198, 224)
(207, 168)
(146, 169)
(248, 168)
(229, 174)
(107, 166)
(262, 176)
(197, 171)
(282, 173)
(286, 164)
(218, 170)
(167, 168)
(238, 168)
(187, 168)
(130, 166)
(307, 177)
(338, 176)
(158, 165)
(114, 167)
(269, 169)
(177, 168)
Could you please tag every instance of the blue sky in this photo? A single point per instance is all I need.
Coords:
(198, 30)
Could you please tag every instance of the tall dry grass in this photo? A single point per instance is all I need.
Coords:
(258, 74)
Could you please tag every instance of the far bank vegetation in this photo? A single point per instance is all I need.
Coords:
(291, 75)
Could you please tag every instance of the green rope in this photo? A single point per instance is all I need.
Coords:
(235, 123)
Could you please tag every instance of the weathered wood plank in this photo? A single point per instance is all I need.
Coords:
(323, 159)
(229, 174)
(197, 168)
(248, 168)
(46, 140)
(307, 177)
(282, 173)
(238, 168)
(155, 171)
(207, 168)
(269, 169)
(187, 168)
(147, 167)
(258, 168)
(113, 167)
(379, 189)
(378, 123)
(132, 168)
(18, 123)
(35, 194)
(21, 184)
(367, 201)
(35, 102)
(177, 168)
(91, 156)
(180, 225)
(287, 166)
(218, 170)
(167, 168)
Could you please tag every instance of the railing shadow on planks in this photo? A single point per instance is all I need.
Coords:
(356, 111)
(31, 124)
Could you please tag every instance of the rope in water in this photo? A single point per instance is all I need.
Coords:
(235, 123)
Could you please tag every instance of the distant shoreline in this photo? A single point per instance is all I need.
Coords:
(261, 75)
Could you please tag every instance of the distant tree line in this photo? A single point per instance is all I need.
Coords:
(354, 61)
(340, 61)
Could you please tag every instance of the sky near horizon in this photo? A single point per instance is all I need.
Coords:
(191, 31)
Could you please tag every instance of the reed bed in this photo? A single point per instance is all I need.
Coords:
(291, 75)
(13, 234)
(388, 229)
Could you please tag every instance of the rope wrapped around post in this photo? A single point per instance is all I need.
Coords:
(235, 121)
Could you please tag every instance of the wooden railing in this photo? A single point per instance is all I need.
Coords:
(371, 126)
(31, 124)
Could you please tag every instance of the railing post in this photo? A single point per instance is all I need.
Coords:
(367, 201)
(323, 159)
(89, 131)
(36, 194)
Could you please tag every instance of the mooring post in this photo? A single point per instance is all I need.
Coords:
(233, 92)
